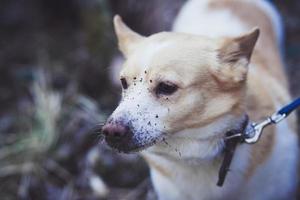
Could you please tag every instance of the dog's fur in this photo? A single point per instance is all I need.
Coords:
(208, 58)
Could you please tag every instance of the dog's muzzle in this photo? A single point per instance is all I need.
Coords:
(119, 136)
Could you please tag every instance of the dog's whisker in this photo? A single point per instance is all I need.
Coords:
(100, 138)
(100, 124)
(97, 129)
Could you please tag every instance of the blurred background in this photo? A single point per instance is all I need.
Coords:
(56, 92)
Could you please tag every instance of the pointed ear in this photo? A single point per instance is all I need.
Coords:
(127, 38)
(238, 48)
(234, 57)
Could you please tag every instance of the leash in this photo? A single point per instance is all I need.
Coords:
(250, 134)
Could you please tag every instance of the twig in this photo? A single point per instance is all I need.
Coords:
(61, 172)
(23, 187)
(16, 169)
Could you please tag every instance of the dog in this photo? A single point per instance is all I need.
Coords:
(183, 90)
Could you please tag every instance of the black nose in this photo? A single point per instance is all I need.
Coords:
(115, 130)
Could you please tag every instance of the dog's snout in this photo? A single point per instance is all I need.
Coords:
(115, 130)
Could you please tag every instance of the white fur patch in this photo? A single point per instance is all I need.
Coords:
(147, 54)
(192, 155)
(202, 143)
(141, 111)
(195, 18)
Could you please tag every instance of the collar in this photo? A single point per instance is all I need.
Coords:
(232, 138)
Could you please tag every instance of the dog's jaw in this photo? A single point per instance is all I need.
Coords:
(202, 143)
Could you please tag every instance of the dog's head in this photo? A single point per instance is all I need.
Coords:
(174, 81)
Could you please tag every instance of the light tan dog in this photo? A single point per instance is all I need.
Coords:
(183, 91)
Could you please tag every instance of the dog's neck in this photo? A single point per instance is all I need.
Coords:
(197, 144)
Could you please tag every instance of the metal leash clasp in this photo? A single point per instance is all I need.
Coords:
(254, 130)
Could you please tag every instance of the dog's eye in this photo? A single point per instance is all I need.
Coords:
(124, 83)
(165, 88)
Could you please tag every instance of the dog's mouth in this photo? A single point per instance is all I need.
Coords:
(131, 144)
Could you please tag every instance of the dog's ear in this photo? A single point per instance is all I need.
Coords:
(234, 57)
(127, 38)
(241, 47)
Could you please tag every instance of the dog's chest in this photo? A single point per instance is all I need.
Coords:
(188, 180)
